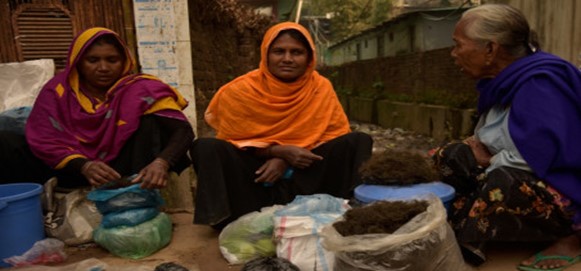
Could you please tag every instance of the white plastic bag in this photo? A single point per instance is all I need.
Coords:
(426, 242)
(21, 81)
(297, 227)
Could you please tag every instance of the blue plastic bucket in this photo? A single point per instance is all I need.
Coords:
(370, 193)
(21, 221)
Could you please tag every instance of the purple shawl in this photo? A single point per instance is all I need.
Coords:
(65, 124)
(544, 92)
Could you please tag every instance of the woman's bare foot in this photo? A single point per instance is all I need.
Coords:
(569, 246)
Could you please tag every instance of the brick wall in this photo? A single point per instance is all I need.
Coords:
(420, 76)
(223, 48)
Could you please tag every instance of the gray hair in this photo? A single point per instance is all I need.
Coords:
(503, 24)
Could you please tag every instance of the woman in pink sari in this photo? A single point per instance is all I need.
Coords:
(96, 122)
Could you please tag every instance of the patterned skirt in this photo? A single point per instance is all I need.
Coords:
(507, 204)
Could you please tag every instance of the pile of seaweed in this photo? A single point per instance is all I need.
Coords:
(379, 217)
(397, 167)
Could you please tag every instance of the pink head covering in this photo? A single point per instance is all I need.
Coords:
(65, 123)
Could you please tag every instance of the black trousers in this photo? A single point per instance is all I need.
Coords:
(18, 164)
(225, 174)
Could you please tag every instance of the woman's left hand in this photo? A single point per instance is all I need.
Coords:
(480, 151)
(154, 175)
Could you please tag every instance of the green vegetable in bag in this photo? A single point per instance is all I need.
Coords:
(249, 237)
(138, 241)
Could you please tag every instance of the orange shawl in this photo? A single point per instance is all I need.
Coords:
(258, 110)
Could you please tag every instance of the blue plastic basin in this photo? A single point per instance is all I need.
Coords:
(369, 193)
(21, 221)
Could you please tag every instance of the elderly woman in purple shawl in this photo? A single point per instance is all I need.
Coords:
(97, 121)
(518, 178)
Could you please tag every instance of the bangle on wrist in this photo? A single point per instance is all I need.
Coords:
(162, 162)
(86, 166)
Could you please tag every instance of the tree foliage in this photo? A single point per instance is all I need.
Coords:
(350, 16)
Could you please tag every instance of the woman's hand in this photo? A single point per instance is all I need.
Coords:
(154, 175)
(480, 151)
(296, 156)
(271, 171)
(98, 173)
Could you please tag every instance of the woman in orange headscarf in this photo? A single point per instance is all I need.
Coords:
(280, 132)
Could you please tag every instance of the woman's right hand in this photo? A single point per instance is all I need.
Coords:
(98, 173)
(296, 156)
(271, 170)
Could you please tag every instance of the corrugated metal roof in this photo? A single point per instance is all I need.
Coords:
(397, 19)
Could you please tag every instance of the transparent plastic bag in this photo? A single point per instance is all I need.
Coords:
(138, 241)
(426, 242)
(49, 250)
(249, 237)
(121, 199)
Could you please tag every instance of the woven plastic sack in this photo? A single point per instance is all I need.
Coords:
(137, 241)
(69, 217)
(297, 229)
(426, 242)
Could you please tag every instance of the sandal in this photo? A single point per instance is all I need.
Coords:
(539, 257)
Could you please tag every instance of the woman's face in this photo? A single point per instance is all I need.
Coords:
(469, 55)
(101, 66)
(287, 58)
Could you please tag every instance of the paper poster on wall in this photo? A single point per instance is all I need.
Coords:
(156, 36)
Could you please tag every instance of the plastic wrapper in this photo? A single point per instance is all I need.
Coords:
(128, 217)
(121, 199)
(49, 250)
(249, 237)
(138, 241)
(426, 242)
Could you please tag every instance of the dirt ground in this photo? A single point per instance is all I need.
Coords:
(195, 247)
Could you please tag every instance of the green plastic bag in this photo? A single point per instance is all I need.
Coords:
(138, 241)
